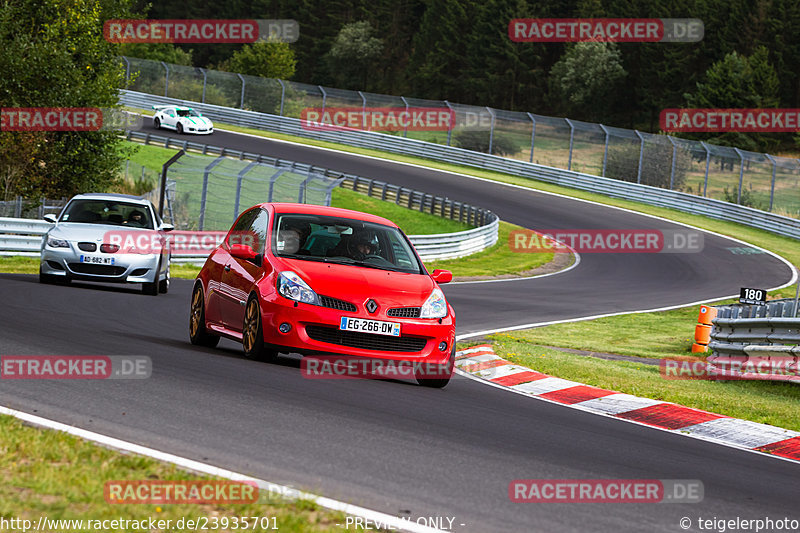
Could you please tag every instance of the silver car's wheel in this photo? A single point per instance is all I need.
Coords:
(179, 128)
(163, 285)
(157, 123)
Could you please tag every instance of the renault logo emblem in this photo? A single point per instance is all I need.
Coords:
(372, 306)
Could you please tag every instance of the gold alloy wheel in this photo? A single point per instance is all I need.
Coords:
(197, 311)
(250, 333)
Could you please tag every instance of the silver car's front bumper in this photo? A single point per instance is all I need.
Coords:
(126, 268)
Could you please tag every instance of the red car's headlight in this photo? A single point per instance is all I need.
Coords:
(292, 286)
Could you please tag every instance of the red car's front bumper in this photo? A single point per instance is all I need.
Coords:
(315, 330)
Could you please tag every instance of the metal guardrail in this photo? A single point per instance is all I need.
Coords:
(718, 209)
(22, 236)
(743, 332)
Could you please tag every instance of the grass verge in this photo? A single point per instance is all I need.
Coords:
(53, 474)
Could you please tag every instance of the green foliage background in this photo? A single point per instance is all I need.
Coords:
(54, 55)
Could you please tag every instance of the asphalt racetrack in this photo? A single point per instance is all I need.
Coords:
(394, 446)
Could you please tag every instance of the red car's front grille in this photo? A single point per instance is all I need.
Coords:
(404, 312)
(335, 303)
(366, 341)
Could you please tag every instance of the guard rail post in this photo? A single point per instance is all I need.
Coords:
(741, 175)
(491, 129)
(708, 164)
(283, 94)
(533, 134)
(204, 193)
(166, 79)
(772, 186)
(571, 138)
(605, 150)
(205, 76)
(453, 113)
(241, 100)
(324, 98)
(405, 126)
(674, 160)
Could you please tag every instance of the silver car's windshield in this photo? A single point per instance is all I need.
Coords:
(111, 212)
(344, 241)
(188, 113)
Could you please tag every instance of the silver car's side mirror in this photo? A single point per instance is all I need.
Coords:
(50, 218)
(167, 227)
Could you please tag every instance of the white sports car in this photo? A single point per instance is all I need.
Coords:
(182, 120)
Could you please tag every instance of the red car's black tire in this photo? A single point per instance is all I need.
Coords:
(253, 333)
(198, 334)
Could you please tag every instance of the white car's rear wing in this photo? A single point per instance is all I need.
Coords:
(160, 107)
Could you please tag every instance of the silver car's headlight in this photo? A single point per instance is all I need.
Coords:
(435, 306)
(292, 286)
(57, 243)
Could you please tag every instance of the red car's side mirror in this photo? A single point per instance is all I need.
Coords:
(442, 276)
(242, 251)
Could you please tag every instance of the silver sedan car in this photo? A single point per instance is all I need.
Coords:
(107, 237)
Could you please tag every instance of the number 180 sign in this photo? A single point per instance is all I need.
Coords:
(753, 296)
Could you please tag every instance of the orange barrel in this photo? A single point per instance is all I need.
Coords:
(699, 348)
(702, 333)
(707, 314)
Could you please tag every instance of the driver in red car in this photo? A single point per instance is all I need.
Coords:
(361, 248)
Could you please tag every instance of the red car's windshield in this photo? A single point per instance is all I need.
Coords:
(343, 240)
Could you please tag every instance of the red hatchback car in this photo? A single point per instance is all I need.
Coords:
(307, 279)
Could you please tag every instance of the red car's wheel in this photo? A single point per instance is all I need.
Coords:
(197, 321)
(253, 334)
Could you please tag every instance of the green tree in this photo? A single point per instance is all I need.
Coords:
(264, 59)
(166, 52)
(438, 64)
(584, 80)
(738, 81)
(353, 55)
(54, 55)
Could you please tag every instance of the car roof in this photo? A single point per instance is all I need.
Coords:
(111, 196)
(310, 209)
